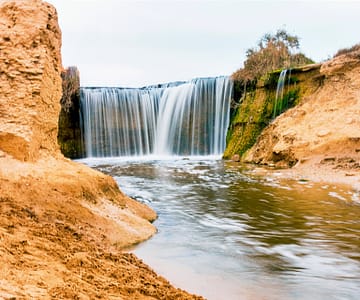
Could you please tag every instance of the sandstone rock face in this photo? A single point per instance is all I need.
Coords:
(30, 93)
(56, 215)
(30, 82)
(326, 123)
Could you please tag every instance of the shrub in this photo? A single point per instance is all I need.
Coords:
(347, 50)
(274, 51)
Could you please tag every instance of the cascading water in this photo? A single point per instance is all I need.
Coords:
(182, 119)
(279, 93)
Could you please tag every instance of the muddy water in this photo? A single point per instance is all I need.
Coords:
(225, 233)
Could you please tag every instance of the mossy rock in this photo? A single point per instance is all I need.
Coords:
(256, 109)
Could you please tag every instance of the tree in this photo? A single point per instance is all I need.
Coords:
(273, 51)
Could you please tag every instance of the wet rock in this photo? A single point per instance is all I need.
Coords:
(69, 134)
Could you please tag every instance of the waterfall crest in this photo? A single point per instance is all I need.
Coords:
(181, 119)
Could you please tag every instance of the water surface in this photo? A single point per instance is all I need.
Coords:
(226, 233)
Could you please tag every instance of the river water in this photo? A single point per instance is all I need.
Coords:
(226, 233)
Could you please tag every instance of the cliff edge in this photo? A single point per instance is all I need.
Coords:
(320, 137)
(62, 225)
(30, 83)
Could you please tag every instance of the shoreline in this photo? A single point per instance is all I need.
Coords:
(314, 171)
(333, 187)
(64, 227)
(64, 231)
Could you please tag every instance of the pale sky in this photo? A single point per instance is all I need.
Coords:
(133, 43)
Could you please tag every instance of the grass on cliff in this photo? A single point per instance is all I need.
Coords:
(348, 50)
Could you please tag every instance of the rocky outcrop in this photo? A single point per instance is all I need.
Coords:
(69, 135)
(30, 66)
(255, 105)
(324, 128)
(62, 225)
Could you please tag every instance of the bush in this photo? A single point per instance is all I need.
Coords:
(347, 50)
(273, 52)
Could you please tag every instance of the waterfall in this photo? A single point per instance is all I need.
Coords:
(181, 119)
(279, 93)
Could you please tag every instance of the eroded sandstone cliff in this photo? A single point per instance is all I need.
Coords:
(318, 138)
(325, 126)
(30, 87)
(61, 224)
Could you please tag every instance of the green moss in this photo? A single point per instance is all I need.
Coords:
(287, 101)
(255, 111)
(250, 117)
(271, 79)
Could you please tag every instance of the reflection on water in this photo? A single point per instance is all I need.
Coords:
(226, 234)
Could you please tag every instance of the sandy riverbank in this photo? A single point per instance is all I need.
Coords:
(324, 172)
(62, 228)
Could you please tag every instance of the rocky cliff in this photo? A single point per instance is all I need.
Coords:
(325, 124)
(61, 224)
(30, 83)
(255, 105)
(319, 136)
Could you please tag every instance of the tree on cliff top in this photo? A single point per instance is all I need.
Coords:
(273, 51)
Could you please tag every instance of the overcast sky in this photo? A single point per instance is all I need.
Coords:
(136, 43)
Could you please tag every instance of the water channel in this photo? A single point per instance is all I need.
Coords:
(226, 233)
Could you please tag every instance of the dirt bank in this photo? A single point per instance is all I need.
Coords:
(320, 137)
(63, 226)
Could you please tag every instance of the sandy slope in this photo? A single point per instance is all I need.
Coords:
(63, 226)
(320, 136)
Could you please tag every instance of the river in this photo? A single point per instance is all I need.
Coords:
(226, 233)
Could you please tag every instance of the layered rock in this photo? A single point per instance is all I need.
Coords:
(30, 66)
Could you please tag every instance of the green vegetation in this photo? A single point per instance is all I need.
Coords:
(274, 51)
(255, 102)
(287, 101)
